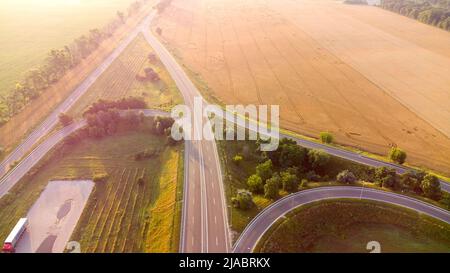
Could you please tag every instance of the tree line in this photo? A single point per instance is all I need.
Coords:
(57, 63)
(432, 12)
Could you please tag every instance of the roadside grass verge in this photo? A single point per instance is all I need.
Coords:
(347, 225)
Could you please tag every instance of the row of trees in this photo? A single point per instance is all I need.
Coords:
(433, 12)
(57, 64)
(291, 167)
(417, 182)
(122, 104)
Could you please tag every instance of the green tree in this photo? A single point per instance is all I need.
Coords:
(271, 188)
(385, 177)
(326, 137)
(346, 177)
(121, 16)
(431, 187)
(292, 155)
(243, 200)
(255, 183)
(264, 170)
(397, 155)
(318, 159)
(289, 181)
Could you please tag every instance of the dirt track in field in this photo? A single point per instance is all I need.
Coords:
(373, 78)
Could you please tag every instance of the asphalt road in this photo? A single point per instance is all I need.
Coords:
(30, 160)
(49, 123)
(204, 219)
(262, 222)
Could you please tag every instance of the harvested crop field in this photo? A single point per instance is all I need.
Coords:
(373, 78)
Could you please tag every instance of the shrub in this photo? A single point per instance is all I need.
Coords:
(243, 200)
(65, 119)
(318, 159)
(326, 137)
(312, 176)
(304, 183)
(346, 177)
(237, 159)
(100, 177)
(397, 155)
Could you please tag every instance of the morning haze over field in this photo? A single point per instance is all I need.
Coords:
(31, 28)
(90, 154)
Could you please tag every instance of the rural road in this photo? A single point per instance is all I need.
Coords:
(49, 123)
(262, 222)
(30, 160)
(204, 219)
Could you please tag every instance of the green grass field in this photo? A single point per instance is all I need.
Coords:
(29, 29)
(348, 225)
(122, 214)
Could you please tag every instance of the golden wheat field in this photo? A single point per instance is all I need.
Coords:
(373, 78)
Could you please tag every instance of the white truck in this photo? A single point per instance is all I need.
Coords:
(15, 235)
